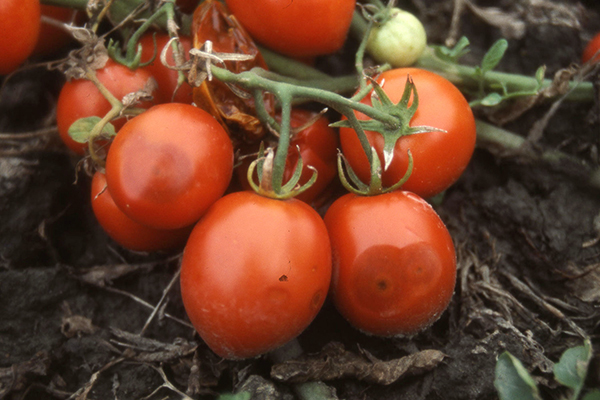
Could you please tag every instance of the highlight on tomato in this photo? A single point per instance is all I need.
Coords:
(127, 232)
(80, 98)
(20, 21)
(394, 267)
(166, 166)
(317, 144)
(441, 155)
(244, 295)
(166, 78)
(296, 28)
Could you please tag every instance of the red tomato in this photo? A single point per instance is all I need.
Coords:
(165, 77)
(166, 166)
(394, 265)
(296, 28)
(245, 295)
(20, 21)
(52, 38)
(127, 232)
(439, 157)
(318, 148)
(80, 98)
(592, 49)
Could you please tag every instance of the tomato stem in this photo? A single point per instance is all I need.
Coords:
(116, 108)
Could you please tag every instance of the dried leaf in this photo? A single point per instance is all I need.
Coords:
(103, 274)
(510, 24)
(335, 363)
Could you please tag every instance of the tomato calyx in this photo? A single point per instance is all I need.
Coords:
(402, 112)
(265, 166)
(375, 186)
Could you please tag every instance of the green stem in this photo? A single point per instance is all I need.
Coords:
(463, 76)
(289, 67)
(284, 140)
(498, 140)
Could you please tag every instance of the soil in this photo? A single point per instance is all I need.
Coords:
(73, 303)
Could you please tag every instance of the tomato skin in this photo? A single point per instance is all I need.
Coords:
(296, 28)
(591, 49)
(165, 77)
(20, 21)
(394, 266)
(244, 295)
(80, 98)
(439, 157)
(127, 232)
(167, 165)
(318, 145)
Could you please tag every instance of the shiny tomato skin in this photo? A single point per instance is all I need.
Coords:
(394, 267)
(317, 146)
(125, 231)
(296, 28)
(80, 98)
(20, 21)
(167, 165)
(255, 273)
(165, 77)
(592, 50)
(439, 157)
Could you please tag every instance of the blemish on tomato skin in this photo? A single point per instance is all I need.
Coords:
(317, 300)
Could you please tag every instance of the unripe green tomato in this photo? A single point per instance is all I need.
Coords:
(400, 41)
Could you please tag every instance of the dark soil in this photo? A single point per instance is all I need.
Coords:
(72, 301)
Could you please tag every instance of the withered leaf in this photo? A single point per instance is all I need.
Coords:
(334, 362)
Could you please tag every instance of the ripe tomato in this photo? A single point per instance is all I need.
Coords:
(127, 232)
(80, 98)
(592, 49)
(166, 166)
(165, 77)
(244, 295)
(20, 21)
(439, 157)
(318, 148)
(296, 28)
(394, 265)
(52, 38)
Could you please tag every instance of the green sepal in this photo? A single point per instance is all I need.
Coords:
(80, 130)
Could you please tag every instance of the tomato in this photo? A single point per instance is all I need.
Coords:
(296, 28)
(80, 98)
(52, 38)
(394, 266)
(124, 230)
(20, 21)
(165, 77)
(592, 50)
(439, 157)
(318, 148)
(245, 295)
(167, 165)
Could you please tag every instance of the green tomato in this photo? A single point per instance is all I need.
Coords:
(400, 41)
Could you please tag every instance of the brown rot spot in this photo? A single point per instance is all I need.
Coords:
(317, 300)
(382, 284)
(283, 278)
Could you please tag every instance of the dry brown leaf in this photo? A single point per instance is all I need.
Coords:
(334, 362)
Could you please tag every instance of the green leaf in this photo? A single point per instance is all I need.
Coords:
(513, 381)
(540, 74)
(572, 367)
(492, 99)
(80, 130)
(494, 55)
(455, 53)
(593, 395)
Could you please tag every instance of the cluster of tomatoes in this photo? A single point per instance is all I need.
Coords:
(256, 270)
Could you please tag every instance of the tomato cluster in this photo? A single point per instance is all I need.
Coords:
(257, 267)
